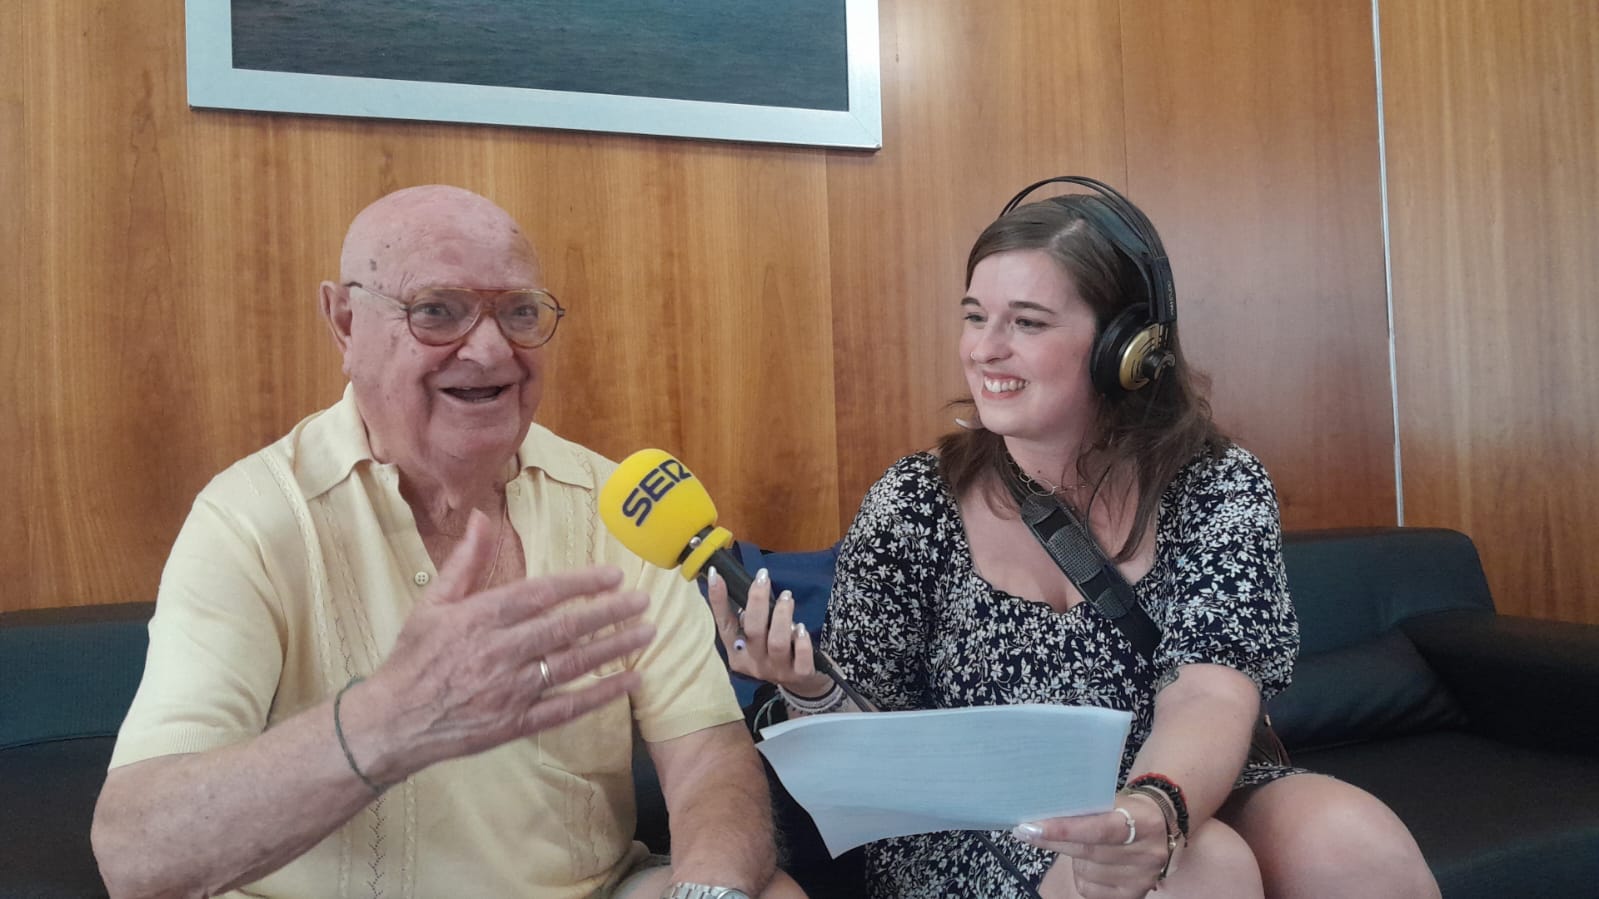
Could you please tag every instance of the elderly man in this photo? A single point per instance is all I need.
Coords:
(394, 654)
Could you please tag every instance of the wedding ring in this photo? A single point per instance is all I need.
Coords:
(1132, 829)
(548, 679)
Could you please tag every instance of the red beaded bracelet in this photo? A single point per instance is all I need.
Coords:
(1173, 792)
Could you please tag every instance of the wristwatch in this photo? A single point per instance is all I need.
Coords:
(701, 891)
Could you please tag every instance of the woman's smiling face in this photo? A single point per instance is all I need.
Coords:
(1025, 348)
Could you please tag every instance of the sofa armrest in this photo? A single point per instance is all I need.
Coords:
(70, 672)
(1522, 680)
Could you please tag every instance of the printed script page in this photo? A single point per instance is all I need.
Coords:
(866, 776)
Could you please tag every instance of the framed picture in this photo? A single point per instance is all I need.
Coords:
(776, 71)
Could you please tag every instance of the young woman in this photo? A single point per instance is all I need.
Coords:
(944, 598)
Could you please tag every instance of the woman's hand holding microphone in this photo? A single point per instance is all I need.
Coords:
(763, 640)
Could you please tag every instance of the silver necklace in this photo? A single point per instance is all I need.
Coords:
(499, 544)
(1039, 486)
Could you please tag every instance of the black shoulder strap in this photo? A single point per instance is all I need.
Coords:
(1069, 543)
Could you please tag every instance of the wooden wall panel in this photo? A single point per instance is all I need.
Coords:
(1246, 129)
(1260, 166)
(979, 100)
(783, 318)
(1492, 115)
(178, 254)
(707, 269)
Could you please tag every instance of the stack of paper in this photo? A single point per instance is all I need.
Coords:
(866, 776)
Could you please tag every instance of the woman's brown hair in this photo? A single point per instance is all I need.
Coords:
(1151, 433)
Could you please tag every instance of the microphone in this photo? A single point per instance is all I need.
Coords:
(658, 509)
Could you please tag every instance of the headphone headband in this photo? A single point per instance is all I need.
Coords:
(1130, 231)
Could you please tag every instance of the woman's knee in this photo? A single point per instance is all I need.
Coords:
(1359, 832)
(1322, 837)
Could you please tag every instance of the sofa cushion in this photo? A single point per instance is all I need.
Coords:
(1376, 688)
(1526, 681)
(47, 796)
(1493, 820)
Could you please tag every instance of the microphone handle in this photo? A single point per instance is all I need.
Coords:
(739, 581)
(732, 572)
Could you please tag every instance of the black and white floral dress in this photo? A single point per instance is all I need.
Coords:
(915, 626)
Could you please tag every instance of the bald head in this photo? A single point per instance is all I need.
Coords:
(411, 231)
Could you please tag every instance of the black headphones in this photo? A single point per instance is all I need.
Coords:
(1134, 347)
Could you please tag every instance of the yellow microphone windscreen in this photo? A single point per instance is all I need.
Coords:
(654, 505)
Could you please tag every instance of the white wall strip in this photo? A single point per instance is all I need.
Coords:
(1388, 261)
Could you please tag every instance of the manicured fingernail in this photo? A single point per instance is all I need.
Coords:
(739, 644)
(711, 577)
(786, 596)
(799, 629)
(762, 577)
(1027, 832)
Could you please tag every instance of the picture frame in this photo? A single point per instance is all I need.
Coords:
(714, 77)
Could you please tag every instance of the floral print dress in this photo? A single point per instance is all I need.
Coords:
(914, 625)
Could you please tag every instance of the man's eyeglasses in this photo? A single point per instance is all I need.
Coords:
(439, 316)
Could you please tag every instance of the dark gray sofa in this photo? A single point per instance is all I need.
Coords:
(1480, 730)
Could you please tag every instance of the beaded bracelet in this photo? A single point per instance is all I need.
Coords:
(1168, 814)
(814, 705)
(1161, 801)
(1173, 792)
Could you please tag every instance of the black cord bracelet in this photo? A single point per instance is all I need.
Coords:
(338, 729)
(802, 698)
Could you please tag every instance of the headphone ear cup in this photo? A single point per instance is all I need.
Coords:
(1129, 353)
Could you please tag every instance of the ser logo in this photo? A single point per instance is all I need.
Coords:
(655, 484)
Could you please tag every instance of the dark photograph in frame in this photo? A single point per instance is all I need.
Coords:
(801, 72)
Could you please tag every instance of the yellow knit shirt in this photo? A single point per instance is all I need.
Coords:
(295, 571)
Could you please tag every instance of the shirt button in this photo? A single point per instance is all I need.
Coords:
(422, 578)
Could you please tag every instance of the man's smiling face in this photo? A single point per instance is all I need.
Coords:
(429, 407)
